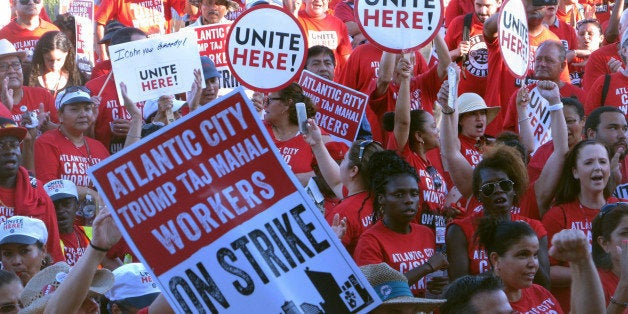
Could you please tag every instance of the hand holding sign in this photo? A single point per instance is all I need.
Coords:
(549, 90)
(513, 35)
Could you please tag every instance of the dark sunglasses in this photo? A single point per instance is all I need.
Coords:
(25, 2)
(269, 99)
(438, 181)
(489, 188)
(363, 146)
(12, 307)
(608, 208)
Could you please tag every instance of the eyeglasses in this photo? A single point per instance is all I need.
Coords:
(25, 2)
(269, 99)
(74, 89)
(14, 65)
(608, 208)
(11, 307)
(438, 181)
(363, 146)
(489, 188)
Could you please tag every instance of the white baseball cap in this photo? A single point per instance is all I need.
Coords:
(23, 230)
(134, 285)
(58, 189)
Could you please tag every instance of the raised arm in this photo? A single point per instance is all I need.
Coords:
(402, 107)
(572, 246)
(525, 130)
(385, 73)
(545, 185)
(328, 166)
(443, 55)
(135, 130)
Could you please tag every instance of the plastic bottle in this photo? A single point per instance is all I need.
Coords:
(89, 210)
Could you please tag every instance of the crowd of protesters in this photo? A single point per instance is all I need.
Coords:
(469, 207)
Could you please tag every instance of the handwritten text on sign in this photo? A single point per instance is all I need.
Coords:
(386, 23)
(220, 227)
(340, 108)
(513, 37)
(266, 48)
(157, 66)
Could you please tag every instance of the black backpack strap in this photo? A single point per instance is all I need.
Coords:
(466, 26)
(607, 82)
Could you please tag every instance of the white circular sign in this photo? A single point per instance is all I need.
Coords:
(514, 40)
(399, 25)
(266, 48)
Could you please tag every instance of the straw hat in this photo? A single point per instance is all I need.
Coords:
(469, 102)
(7, 49)
(41, 287)
(392, 287)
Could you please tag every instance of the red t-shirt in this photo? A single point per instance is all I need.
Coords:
(101, 68)
(32, 97)
(74, 244)
(566, 33)
(110, 109)
(24, 39)
(510, 119)
(567, 216)
(457, 8)
(536, 299)
(498, 93)
(402, 252)
(330, 32)
(145, 15)
(617, 95)
(475, 68)
(60, 159)
(358, 209)
(538, 160)
(469, 150)
(295, 151)
(29, 198)
(597, 65)
(609, 283)
(478, 261)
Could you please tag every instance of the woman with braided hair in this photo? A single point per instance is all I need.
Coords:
(394, 239)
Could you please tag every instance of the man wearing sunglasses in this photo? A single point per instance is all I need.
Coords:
(26, 29)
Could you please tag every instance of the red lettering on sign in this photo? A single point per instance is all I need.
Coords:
(393, 19)
(261, 59)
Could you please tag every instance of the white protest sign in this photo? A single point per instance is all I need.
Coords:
(399, 25)
(340, 108)
(156, 66)
(266, 48)
(514, 40)
(210, 206)
(83, 12)
(540, 119)
(211, 43)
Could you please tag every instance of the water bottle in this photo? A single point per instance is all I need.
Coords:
(89, 210)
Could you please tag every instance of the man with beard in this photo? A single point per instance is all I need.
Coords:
(20, 193)
(549, 63)
(608, 125)
(470, 53)
(504, 83)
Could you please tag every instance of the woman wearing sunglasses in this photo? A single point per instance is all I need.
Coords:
(610, 253)
(394, 239)
(416, 134)
(497, 183)
(353, 174)
(582, 190)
